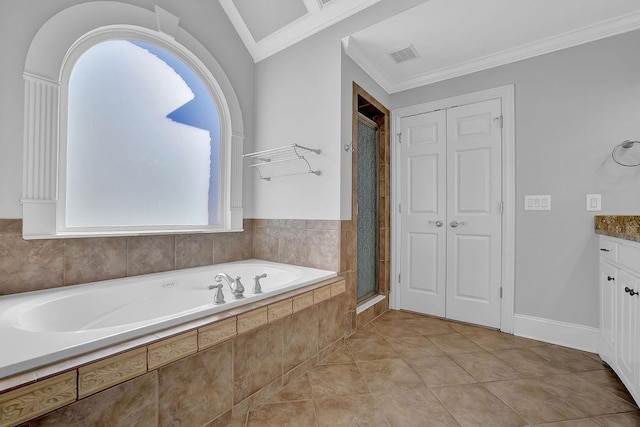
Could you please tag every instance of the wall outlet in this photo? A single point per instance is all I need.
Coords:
(537, 203)
(594, 202)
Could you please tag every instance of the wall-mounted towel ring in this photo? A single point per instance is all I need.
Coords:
(624, 148)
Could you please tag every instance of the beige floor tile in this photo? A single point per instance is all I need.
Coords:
(337, 380)
(413, 347)
(395, 327)
(342, 355)
(465, 328)
(349, 411)
(567, 358)
(429, 326)
(293, 414)
(454, 343)
(484, 366)
(584, 422)
(528, 363)
(533, 401)
(437, 371)
(474, 405)
(413, 408)
(607, 380)
(367, 331)
(590, 397)
(626, 419)
(298, 389)
(384, 376)
(496, 340)
(371, 349)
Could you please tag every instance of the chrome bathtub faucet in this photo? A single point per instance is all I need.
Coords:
(219, 298)
(257, 289)
(234, 283)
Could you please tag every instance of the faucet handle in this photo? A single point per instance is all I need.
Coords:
(219, 297)
(257, 289)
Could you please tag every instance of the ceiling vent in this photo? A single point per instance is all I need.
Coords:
(404, 54)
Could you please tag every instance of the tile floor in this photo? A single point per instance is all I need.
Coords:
(406, 370)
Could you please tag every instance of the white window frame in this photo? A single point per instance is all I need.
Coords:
(47, 74)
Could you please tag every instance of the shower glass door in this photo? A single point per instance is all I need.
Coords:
(367, 208)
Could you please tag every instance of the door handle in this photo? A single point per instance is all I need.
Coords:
(455, 224)
(438, 223)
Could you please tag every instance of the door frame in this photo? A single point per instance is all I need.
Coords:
(506, 95)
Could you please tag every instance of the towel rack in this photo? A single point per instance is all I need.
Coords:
(287, 153)
(624, 145)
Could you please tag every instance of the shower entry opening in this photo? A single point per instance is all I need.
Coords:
(370, 163)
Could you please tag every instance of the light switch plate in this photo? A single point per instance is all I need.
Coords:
(537, 203)
(594, 202)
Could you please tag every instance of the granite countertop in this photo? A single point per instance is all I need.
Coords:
(621, 226)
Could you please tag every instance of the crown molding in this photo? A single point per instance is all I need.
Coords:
(354, 51)
(317, 19)
(601, 30)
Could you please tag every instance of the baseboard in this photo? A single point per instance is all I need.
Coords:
(555, 332)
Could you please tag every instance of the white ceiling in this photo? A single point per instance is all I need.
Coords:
(269, 26)
(451, 37)
(456, 37)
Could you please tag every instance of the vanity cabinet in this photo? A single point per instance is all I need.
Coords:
(619, 343)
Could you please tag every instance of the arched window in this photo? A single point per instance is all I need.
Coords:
(143, 140)
(130, 128)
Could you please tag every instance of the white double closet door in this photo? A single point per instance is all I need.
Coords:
(451, 213)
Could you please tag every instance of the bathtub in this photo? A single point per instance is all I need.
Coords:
(43, 327)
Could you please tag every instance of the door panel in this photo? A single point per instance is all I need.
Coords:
(423, 273)
(423, 244)
(474, 193)
(451, 194)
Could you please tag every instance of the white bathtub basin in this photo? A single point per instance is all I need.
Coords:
(44, 327)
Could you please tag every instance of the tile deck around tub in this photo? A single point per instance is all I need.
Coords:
(22, 399)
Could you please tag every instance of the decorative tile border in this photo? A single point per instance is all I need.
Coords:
(166, 351)
(37, 399)
(252, 320)
(280, 309)
(216, 333)
(109, 372)
(303, 301)
(29, 401)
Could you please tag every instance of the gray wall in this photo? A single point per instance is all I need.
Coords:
(21, 19)
(572, 108)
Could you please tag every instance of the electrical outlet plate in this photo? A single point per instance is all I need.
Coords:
(537, 203)
(594, 202)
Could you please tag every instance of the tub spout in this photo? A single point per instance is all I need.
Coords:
(234, 283)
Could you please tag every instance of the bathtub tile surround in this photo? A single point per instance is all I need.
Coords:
(150, 254)
(301, 242)
(196, 389)
(233, 373)
(41, 264)
(620, 226)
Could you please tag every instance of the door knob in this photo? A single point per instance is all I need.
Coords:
(438, 223)
(455, 224)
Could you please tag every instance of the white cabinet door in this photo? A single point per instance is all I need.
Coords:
(627, 331)
(608, 299)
